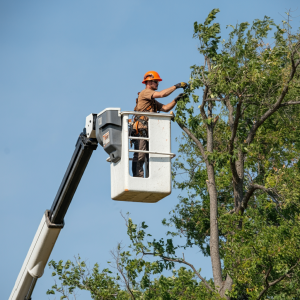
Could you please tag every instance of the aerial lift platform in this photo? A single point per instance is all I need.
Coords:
(111, 129)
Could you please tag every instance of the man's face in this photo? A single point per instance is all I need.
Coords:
(153, 84)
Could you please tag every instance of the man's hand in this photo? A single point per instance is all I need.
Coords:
(179, 97)
(181, 85)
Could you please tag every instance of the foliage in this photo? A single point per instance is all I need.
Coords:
(133, 279)
(101, 285)
(239, 169)
(240, 154)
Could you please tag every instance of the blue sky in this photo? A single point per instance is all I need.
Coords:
(61, 61)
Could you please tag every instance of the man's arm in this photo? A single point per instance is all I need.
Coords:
(164, 93)
(169, 106)
(167, 92)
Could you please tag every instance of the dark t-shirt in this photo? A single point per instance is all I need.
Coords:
(145, 99)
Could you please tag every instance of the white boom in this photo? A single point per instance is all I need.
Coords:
(36, 259)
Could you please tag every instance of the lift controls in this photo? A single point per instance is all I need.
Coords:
(109, 132)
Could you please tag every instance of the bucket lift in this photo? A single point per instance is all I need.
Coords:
(109, 128)
(112, 132)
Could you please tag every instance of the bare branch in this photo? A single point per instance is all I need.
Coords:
(116, 256)
(213, 99)
(289, 103)
(197, 142)
(222, 99)
(192, 267)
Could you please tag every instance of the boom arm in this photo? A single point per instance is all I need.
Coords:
(81, 156)
(53, 221)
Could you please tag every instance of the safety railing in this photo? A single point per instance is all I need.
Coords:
(141, 113)
(153, 152)
(149, 114)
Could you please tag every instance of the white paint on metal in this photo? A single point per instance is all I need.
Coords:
(36, 259)
(90, 132)
(124, 187)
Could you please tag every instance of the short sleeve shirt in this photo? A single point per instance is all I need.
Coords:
(145, 100)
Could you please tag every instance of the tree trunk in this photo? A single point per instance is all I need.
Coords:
(214, 230)
(213, 195)
(238, 183)
(227, 286)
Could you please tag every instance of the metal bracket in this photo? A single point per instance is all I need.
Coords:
(50, 224)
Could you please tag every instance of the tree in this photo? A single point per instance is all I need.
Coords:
(240, 155)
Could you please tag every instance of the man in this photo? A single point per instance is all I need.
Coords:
(146, 102)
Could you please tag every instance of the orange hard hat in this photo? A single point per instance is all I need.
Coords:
(151, 75)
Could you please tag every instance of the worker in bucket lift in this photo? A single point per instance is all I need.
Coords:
(146, 102)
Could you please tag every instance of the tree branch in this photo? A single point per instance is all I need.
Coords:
(247, 197)
(269, 284)
(213, 99)
(193, 268)
(276, 106)
(289, 103)
(235, 125)
(197, 142)
(183, 262)
(285, 275)
(227, 286)
(116, 257)
(202, 111)
(208, 63)
(222, 99)
(252, 188)
(213, 196)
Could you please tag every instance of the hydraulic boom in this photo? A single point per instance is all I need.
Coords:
(53, 220)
